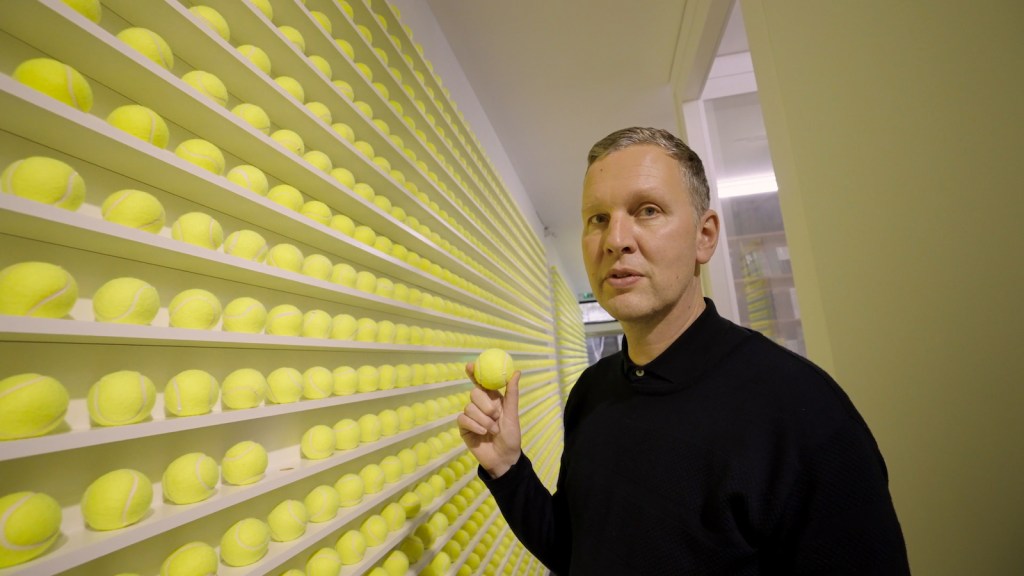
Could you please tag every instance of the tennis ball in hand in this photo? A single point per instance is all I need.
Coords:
(245, 542)
(191, 393)
(288, 521)
(322, 503)
(149, 44)
(190, 478)
(351, 547)
(140, 122)
(45, 180)
(250, 178)
(284, 320)
(346, 434)
(375, 529)
(213, 20)
(201, 153)
(120, 398)
(37, 289)
(284, 386)
(257, 56)
(195, 308)
(245, 315)
(135, 209)
(56, 80)
(254, 115)
(29, 525)
(199, 229)
(493, 368)
(318, 442)
(190, 559)
(126, 301)
(31, 405)
(117, 499)
(244, 463)
(350, 489)
(286, 257)
(208, 85)
(243, 388)
(324, 562)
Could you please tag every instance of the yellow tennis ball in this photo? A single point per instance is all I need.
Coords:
(364, 234)
(388, 422)
(317, 266)
(322, 65)
(317, 382)
(246, 244)
(243, 388)
(439, 566)
(202, 154)
(366, 192)
(117, 499)
(207, 84)
(119, 398)
(244, 463)
(294, 36)
(346, 47)
(284, 320)
(31, 405)
(375, 529)
(366, 281)
(45, 180)
(403, 372)
(318, 442)
(29, 525)
(140, 122)
(264, 7)
(286, 257)
(135, 209)
(373, 478)
(412, 546)
(292, 87)
(195, 308)
(191, 393)
(383, 243)
(316, 324)
(347, 434)
(126, 301)
(190, 478)
(365, 108)
(394, 515)
(288, 520)
(343, 273)
(290, 140)
(286, 195)
(56, 80)
(318, 159)
(385, 328)
(213, 20)
(253, 115)
(492, 368)
(257, 57)
(344, 130)
(343, 327)
(245, 315)
(149, 44)
(324, 562)
(250, 178)
(366, 330)
(350, 489)
(386, 374)
(91, 9)
(316, 210)
(199, 229)
(396, 564)
(245, 542)
(425, 493)
(406, 417)
(322, 503)
(284, 386)
(192, 558)
(367, 379)
(351, 546)
(321, 111)
(37, 289)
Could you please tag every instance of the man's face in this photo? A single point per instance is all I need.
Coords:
(641, 242)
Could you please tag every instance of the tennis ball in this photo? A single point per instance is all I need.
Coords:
(317, 266)
(244, 314)
(316, 210)
(45, 180)
(119, 398)
(373, 478)
(344, 130)
(292, 87)
(316, 158)
(149, 44)
(343, 327)
(346, 47)
(246, 244)
(343, 224)
(192, 558)
(208, 85)
(367, 379)
(322, 65)
(324, 562)
(191, 393)
(244, 463)
(351, 546)
(412, 546)
(318, 442)
(126, 301)
(438, 566)
(375, 529)
(492, 368)
(140, 122)
(321, 111)
(294, 36)
(385, 330)
(317, 382)
(388, 419)
(264, 7)
(366, 281)
(91, 9)
(366, 330)
(284, 385)
(290, 140)
(386, 375)
(195, 308)
(350, 489)
(243, 388)
(288, 520)
(31, 405)
(366, 192)
(286, 195)
(384, 163)
(396, 564)
(37, 289)
(202, 154)
(56, 80)
(347, 434)
(403, 372)
(284, 320)
(364, 234)
(363, 107)
(245, 542)
(257, 57)
(117, 499)
(135, 209)
(213, 20)
(425, 493)
(190, 478)
(316, 324)
(253, 115)
(407, 458)
(322, 503)
(286, 257)
(199, 229)
(250, 178)
(29, 525)
(394, 515)
(344, 274)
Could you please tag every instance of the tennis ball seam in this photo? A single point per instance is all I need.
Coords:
(142, 404)
(130, 499)
(5, 543)
(45, 426)
(52, 296)
(131, 308)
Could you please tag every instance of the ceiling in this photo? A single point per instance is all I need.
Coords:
(555, 77)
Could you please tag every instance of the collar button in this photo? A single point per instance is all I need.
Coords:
(639, 372)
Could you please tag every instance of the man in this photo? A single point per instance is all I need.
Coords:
(702, 447)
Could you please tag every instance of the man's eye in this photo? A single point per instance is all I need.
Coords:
(598, 219)
(648, 211)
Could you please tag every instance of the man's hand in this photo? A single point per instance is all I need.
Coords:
(490, 425)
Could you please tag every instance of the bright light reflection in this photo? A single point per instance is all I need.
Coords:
(748, 186)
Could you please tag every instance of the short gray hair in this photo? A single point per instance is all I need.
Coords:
(689, 162)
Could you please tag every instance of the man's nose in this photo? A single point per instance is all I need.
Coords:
(619, 237)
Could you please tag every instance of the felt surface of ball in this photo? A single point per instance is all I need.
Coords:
(316, 210)
(407, 457)
(367, 378)
(45, 180)
(346, 434)
(493, 368)
(257, 56)
(243, 388)
(141, 122)
(246, 244)
(323, 562)
(375, 529)
(388, 422)
(38, 289)
(191, 393)
(394, 515)
(91, 9)
(294, 36)
(250, 178)
(321, 111)
(318, 159)
(117, 499)
(373, 478)
(366, 191)
(190, 478)
(195, 308)
(292, 87)
(284, 385)
(322, 65)
(286, 195)
(316, 324)
(286, 257)
(317, 382)
(29, 525)
(284, 320)
(209, 85)
(291, 141)
(343, 327)
(245, 542)
(245, 315)
(213, 20)
(288, 521)
(190, 559)
(412, 547)
(57, 80)
(244, 463)
(198, 228)
(254, 115)
(396, 564)
(202, 154)
(350, 489)
(316, 266)
(120, 398)
(149, 44)
(366, 281)
(264, 7)
(322, 503)
(366, 330)
(343, 224)
(126, 301)
(351, 547)
(31, 405)
(135, 209)
(318, 442)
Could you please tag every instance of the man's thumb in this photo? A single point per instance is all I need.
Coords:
(511, 401)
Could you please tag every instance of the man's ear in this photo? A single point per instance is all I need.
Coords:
(707, 236)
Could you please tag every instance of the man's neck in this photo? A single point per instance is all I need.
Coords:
(647, 340)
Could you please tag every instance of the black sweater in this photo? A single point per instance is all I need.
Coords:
(726, 455)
